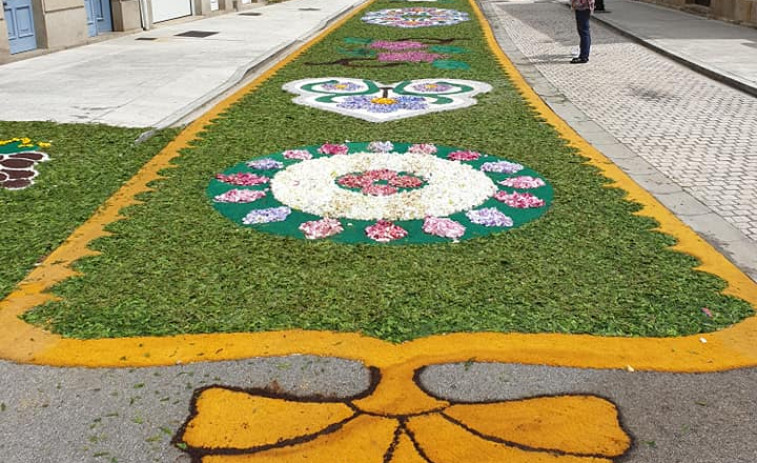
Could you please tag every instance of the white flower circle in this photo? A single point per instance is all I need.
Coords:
(452, 186)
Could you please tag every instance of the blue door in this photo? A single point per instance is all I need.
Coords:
(20, 21)
(98, 16)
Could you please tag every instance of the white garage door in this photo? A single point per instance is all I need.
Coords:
(163, 10)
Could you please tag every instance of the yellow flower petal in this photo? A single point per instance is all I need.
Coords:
(585, 425)
(228, 419)
(405, 451)
(366, 439)
(445, 442)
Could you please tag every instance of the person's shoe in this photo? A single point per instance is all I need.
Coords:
(579, 60)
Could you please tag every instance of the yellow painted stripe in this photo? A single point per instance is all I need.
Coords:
(729, 348)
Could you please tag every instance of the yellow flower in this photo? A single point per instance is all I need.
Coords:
(380, 100)
(44, 144)
(233, 426)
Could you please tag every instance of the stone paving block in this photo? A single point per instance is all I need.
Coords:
(714, 227)
(588, 127)
(657, 184)
(683, 204)
(695, 131)
(635, 166)
(615, 150)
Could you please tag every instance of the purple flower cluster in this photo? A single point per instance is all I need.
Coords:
(501, 167)
(412, 103)
(272, 214)
(380, 146)
(489, 217)
(431, 88)
(342, 87)
(266, 164)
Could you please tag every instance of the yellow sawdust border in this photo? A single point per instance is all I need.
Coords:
(729, 348)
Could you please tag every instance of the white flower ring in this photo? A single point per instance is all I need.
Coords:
(415, 17)
(381, 192)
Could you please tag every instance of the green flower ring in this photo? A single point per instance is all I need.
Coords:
(380, 192)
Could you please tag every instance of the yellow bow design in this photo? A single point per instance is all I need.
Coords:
(260, 426)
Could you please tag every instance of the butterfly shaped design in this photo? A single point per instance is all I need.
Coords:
(377, 102)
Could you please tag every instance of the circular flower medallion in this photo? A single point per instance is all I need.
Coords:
(380, 192)
(415, 17)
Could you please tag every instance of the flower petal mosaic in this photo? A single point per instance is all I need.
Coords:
(415, 17)
(372, 53)
(380, 192)
(377, 102)
(18, 161)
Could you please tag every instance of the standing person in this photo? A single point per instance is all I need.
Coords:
(583, 9)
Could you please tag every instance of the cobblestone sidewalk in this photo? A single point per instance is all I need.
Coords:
(697, 132)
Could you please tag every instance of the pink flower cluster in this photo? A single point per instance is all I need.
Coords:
(406, 181)
(239, 196)
(409, 56)
(396, 45)
(384, 231)
(367, 182)
(446, 228)
(463, 156)
(519, 200)
(333, 149)
(302, 155)
(323, 228)
(524, 182)
(379, 190)
(422, 148)
(242, 179)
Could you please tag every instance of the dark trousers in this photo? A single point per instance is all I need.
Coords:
(582, 22)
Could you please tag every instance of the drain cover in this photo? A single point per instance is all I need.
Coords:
(310, 9)
(147, 38)
(250, 14)
(196, 34)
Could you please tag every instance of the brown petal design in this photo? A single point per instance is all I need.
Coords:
(16, 184)
(19, 174)
(13, 163)
(30, 155)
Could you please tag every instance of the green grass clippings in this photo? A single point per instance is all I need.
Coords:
(588, 266)
(88, 163)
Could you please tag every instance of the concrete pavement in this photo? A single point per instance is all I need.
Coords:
(158, 77)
